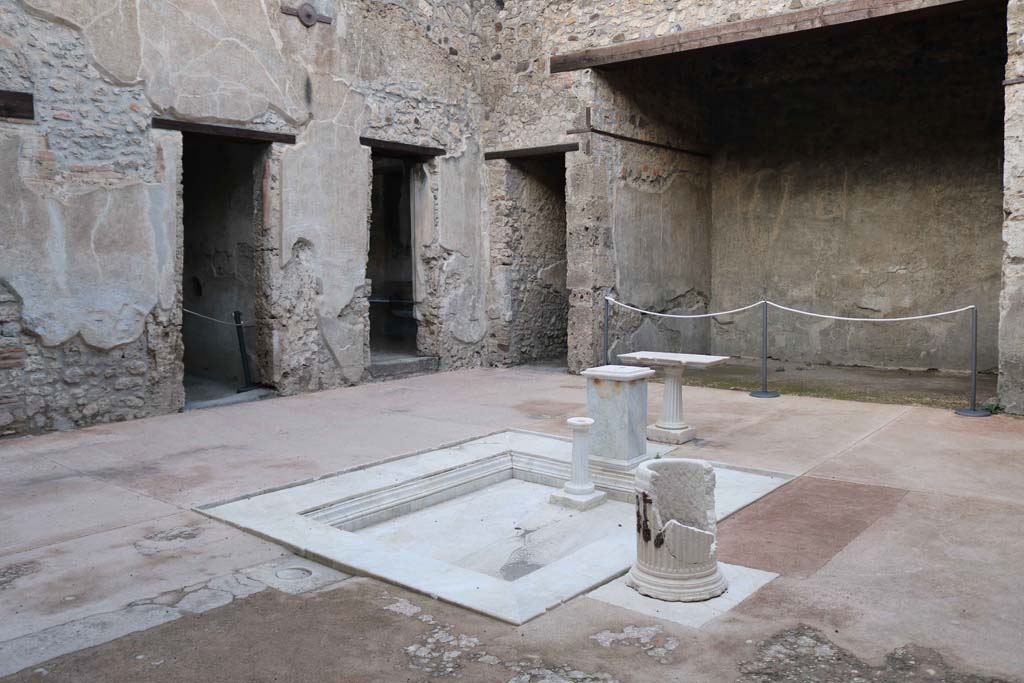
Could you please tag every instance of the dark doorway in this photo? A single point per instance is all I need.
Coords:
(221, 181)
(389, 264)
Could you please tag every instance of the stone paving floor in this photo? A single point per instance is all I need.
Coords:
(899, 547)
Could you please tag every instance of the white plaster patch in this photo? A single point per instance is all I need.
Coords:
(295, 575)
(405, 607)
(648, 638)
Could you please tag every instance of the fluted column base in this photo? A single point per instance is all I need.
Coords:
(705, 583)
(674, 436)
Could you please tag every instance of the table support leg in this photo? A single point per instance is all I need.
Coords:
(670, 427)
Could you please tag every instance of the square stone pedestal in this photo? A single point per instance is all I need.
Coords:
(617, 401)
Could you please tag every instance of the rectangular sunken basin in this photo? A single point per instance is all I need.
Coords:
(471, 523)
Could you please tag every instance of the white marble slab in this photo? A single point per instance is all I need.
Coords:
(506, 530)
(617, 373)
(662, 359)
(743, 582)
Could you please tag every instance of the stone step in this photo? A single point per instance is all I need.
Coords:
(394, 368)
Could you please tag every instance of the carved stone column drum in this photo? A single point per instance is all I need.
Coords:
(675, 530)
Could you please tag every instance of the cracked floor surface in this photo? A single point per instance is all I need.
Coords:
(900, 535)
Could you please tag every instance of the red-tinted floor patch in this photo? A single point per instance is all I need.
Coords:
(798, 528)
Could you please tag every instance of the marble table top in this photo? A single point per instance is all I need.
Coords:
(618, 373)
(659, 358)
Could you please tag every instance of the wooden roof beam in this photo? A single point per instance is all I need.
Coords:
(834, 14)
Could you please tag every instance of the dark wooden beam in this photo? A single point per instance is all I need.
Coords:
(834, 14)
(401, 149)
(16, 105)
(229, 133)
(528, 152)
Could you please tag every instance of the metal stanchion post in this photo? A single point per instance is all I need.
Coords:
(973, 410)
(607, 306)
(764, 393)
(246, 371)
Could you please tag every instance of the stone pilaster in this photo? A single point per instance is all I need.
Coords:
(1011, 302)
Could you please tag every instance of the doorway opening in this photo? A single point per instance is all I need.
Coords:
(529, 263)
(221, 187)
(389, 265)
(399, 183)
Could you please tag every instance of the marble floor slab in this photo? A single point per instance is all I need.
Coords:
(743, 582)
(507, 530)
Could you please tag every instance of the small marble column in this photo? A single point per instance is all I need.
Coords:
(617, 401)
(579, 492)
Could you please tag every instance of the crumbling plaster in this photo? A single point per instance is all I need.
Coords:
(861, 179)
(221, 62)
(462, 75)
(538, 108)
(528, 302)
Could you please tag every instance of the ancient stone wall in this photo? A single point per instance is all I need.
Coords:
(945, 251)
(861, 179)
(639, 216)
(1011, 301)
(529, 303)
(94, 178)
(91, 216)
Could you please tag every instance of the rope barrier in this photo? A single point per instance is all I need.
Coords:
(791, 310)
(971, 411)
(869, 320)
(685, 317)
(216, 320)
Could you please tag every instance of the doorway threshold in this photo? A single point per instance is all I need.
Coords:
(232, 399)
(392, 365)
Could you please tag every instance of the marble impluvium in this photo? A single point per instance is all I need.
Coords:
(675, 529)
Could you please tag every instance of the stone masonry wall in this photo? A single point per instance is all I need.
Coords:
(861, 178)
(538, 108)
(91, 225)
(639, 230)
(639, 216)
(91, 176)
(1011, 302)
(529, 303)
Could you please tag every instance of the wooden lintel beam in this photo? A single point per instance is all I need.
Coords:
(834, 14)
(16, 105)
(532, 152)
(401, 149)
(230, 133)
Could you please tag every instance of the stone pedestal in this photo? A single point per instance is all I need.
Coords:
(579, 492)
(671, 427)
(675, 522)
(617, 402)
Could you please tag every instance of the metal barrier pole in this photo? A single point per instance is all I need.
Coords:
(973, 411)
(607, 305)
(246, 371)
(764, 393)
